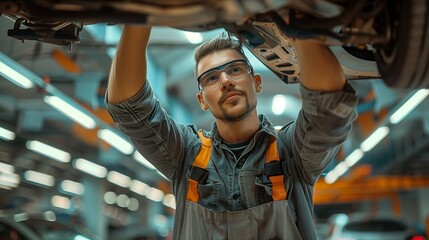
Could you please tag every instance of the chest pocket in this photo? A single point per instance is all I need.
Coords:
(273, 170)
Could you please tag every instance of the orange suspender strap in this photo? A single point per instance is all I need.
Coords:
(199, 169)
(274, 171)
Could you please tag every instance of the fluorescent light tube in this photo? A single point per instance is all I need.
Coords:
(80, 237)
(169, 201)
(6, 134)
(6, 168)
(354, 157)
(115, 141)
(19, 217)
(9, 180)
(49, 151)
(118, 179)
(60, 202)
(155, 194)
(331, 177)
(39, 178)
(409, 106)
(374, 139)
(71, 112)
(90, 168)
(194, 37)
(139, 187)
(15, 77)
(139, 158)
(72, 187)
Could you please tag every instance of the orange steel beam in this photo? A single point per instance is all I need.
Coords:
(65, 61)
(370, 188)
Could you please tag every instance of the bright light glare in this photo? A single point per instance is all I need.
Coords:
(70, 111)
(122, 200)
(49, 216)
(15, 77)
(139, 158)
(354, 157)
(409, 106)
(194, 37)
(90, 168)
(374, 139)
(80, 237)
(6, 134)
(337, 172)
(139, 187)
(72, 187)
(279, 104)
(115, 141)
(9, 180)
(19, 217)
(6, 168)
(110, 197)
(133, 204)
(118, 179)
(60, 202)
(39, 178)
(155, 195)
(49, 151)
(331, 177)
(169, 201)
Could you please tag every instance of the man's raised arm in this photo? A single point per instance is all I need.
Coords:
(128, 71)
(320, 70)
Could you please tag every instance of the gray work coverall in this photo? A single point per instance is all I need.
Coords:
(235, 202)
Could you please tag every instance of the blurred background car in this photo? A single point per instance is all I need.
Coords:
(344, 227)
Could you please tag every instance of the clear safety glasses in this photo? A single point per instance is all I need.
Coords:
(235, 70)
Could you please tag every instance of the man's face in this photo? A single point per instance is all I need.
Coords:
(232, 99)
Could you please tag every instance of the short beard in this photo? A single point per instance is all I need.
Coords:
(236, 116)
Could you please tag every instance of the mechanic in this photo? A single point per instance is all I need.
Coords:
(242, 179)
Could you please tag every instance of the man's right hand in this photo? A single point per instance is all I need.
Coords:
(128, 70)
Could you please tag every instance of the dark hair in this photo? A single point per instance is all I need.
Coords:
(223, 41)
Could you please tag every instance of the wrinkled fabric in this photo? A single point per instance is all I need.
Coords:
(266, 221)
(306, 146)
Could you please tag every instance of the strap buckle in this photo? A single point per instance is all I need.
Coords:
(198, 174)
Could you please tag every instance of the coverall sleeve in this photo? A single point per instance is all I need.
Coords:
(323, 124)
(155, 134)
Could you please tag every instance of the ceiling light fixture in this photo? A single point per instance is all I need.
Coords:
(39, 178)
(9, 180)
(90, 168)
(6, 134)
(374, 138)
(60, 202)
(354, 157)
(48, 151)
(11, 71)
(72, 187)
(119, 179)
(155, 194)
(194, 37)
(71, 112)
(115, 141)
(279, 104)
(139, 187)
(409, 106)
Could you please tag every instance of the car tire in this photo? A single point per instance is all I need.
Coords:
(404, 63)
